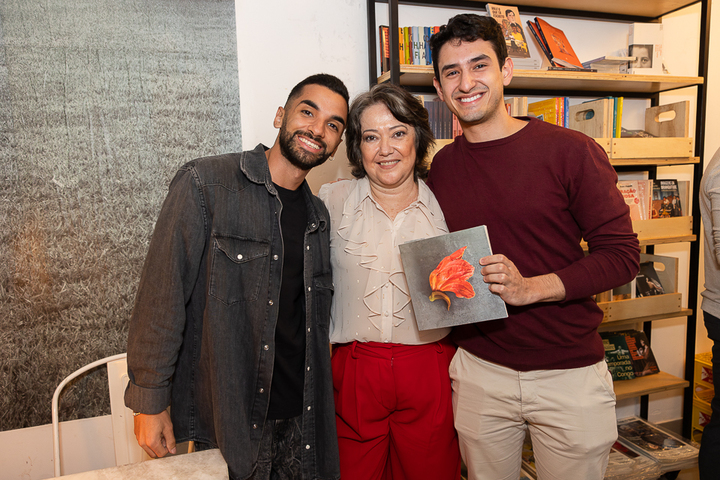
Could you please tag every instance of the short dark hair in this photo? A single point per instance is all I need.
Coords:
(323, 79)
(405, 108)
(468, 27)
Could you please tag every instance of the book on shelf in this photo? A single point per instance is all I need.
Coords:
(628, 354)
(617, 356)
(645, 44)
(557, 45)
(638, 197)
(552, 110)
(609, 64)
(384, 31)
(647, 282)
(666, 199)
(670, 451)
(515, 39)
(517, 106)
(443, 123)
(413, 46)
(624, 464)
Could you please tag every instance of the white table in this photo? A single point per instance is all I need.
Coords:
(205, 465)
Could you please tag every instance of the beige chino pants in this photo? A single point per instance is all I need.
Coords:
(570, 415)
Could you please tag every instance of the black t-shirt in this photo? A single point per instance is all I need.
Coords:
(286, 392)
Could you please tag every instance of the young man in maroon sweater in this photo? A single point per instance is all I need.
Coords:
(540, 189)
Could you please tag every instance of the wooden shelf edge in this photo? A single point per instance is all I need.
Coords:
(422, 75)
(620, 162)
(611, 324)
(664, 240)
(660, 382)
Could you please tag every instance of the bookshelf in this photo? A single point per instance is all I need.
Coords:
(558, 83)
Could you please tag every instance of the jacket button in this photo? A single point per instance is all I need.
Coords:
(266, 347)
(307, 447)
(275, 257)
(262, 390)
(307, 248)
(270, 302)
(254, 426)
(309, 289)
(239, 257)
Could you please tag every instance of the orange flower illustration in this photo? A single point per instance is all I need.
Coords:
(451, 275)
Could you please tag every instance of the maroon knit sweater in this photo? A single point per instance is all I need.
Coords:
(540, 191)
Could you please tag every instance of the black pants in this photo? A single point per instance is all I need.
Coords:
(280, 451)
(709, 459)
(279, 457)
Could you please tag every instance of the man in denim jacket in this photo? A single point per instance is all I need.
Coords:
(230, 325)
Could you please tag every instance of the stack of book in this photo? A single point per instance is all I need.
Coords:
(644, 451)
(669, 451)
(414, 44)
(443, 123)
(553, 110)
(555, 45)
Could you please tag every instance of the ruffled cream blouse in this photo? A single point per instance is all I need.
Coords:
(371, 302)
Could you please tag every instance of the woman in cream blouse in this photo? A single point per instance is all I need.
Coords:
(392, 390)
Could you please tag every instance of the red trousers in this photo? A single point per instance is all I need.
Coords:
(393, 407)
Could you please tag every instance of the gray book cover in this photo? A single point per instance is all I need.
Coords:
(443, 275)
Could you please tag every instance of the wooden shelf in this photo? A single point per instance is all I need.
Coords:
(660, 162)
(644, 309)
(638, 8)
(422, 75)
(659, 231)
(659, 382)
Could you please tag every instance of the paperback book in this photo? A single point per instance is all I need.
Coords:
(671, 452)
(443, 276)
(628, 354)
(509, 19)
(666, 199)
(556, 44)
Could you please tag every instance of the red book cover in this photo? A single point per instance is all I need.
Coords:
(560, 48)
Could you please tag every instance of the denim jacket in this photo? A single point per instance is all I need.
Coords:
(202, 331)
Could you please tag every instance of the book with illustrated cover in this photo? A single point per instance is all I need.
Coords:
(444, 280)
(617, 356)
(647, 281)
(558, 45)
(666, 199)
(509, 19)
(671, 452)
(628, 354)
(642, 356)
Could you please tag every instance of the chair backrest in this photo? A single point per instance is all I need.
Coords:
(126, 448)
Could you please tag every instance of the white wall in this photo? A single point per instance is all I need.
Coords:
(282, 41)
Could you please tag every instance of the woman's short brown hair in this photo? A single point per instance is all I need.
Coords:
(405, 108)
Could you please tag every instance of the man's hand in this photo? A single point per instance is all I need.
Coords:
(155, 434)
(505, 280)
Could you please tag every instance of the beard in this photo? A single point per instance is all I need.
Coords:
(296, 155)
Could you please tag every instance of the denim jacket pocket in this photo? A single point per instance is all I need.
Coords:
(239, 268)
(324, 289)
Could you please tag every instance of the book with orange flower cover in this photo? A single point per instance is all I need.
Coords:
(444, 280)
